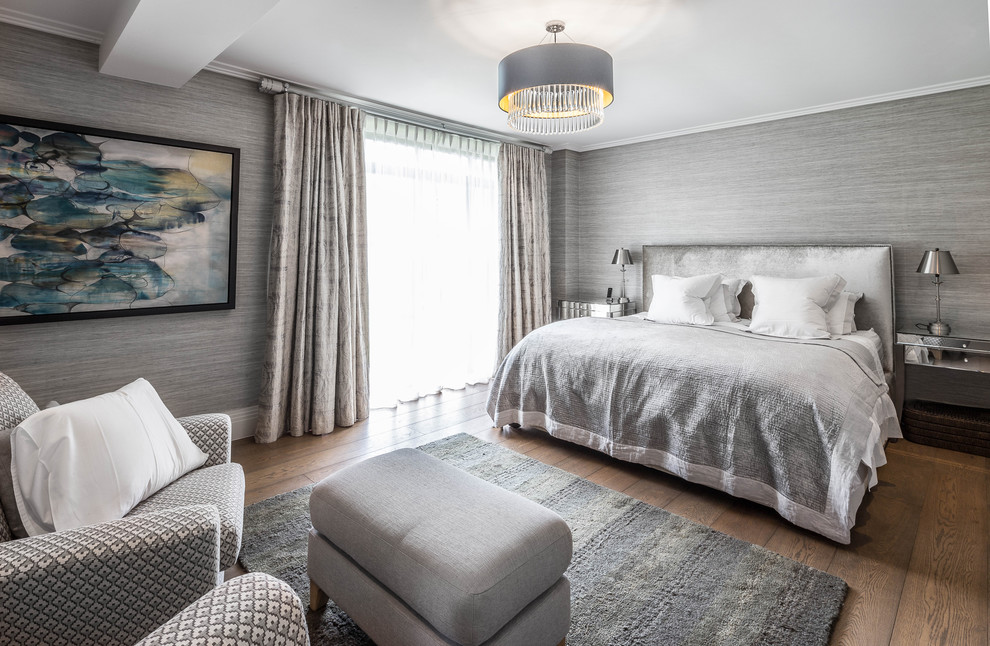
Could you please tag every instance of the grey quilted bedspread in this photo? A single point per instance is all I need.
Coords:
(757, 408)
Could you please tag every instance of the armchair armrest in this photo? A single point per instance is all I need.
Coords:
(251, 610)
(211, 433)
(111, 583)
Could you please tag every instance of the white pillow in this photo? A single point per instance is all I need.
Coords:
(724, 303)
(794, 307)
(841, 316)
(682, 300)
(93, 460)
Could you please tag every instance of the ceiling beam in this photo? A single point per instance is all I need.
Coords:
(167, 42)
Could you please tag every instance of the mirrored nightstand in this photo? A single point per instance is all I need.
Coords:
(955, 352)
(575, 309)
(947, 408)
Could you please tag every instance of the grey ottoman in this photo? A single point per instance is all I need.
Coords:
(418, 552)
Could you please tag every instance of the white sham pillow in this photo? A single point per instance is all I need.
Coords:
(683, 300)
(93, 460)
(794, 307)
(724, 302)
(842, 315)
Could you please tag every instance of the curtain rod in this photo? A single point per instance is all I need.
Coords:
(273, 86)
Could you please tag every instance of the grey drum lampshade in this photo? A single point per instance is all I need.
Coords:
(937, 262)
(556, 88)
(622, 257)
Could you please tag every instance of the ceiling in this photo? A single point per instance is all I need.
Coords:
(680, 65)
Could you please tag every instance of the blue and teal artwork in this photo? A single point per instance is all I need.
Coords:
(100, 223)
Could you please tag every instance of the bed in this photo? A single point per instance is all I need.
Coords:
(796, 425)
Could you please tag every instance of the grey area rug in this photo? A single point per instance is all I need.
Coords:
(640, 575)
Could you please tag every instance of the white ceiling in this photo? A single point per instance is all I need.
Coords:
(680, 65)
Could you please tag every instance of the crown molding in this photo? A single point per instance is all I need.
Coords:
(49, 26)
(787, 114)
(233, 70)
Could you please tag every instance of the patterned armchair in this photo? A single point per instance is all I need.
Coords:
(251, 610)
(116, 582)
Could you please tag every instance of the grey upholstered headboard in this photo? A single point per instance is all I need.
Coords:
(866, 268)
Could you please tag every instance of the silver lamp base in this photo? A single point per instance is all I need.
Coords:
(938, 328)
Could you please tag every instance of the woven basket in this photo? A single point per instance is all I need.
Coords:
(959, 428)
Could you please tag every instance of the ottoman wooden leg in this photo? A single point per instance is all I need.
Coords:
(563, 642)
(317, 598)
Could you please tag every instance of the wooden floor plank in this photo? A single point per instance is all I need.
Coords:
(875, 563)
(346, 458)
(874, 566)
(945, 590)
(582, 464)
(802, 546)
(935, 454)
(748, 522)
(256, 493)
(658, 492)
(443, 411)
(520, 440)
(916, 567)
(613, 477)
(700, 504)
(488, 433)
(340, 445)
(551, 452)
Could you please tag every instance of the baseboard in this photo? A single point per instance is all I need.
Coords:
(243, 421)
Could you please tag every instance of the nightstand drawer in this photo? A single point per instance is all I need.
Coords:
(576, 309)
(954, 353)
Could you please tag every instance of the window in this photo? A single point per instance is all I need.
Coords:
(433, 254)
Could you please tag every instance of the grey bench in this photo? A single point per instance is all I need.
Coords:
(418, 552)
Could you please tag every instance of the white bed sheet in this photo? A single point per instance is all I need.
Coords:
(865, 337)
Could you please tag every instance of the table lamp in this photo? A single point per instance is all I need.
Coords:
(936, 263)
(622, 258)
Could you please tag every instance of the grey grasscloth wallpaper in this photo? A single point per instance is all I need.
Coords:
(914, 173)
(199, 362)
(564, 193)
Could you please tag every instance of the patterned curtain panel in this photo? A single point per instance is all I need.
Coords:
(315, 374)
(524, 290)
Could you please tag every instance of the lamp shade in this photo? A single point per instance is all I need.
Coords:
(622, 257)
(557, 88)
(937, 262)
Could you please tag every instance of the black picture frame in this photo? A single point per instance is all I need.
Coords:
(88, 217)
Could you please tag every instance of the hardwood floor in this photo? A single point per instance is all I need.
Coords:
(916, 568)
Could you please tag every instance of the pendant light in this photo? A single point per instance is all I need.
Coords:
(557, 88)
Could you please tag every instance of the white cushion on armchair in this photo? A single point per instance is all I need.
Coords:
(93, 460)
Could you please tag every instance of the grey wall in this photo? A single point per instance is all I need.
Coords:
(199, 362)
(564, 237)
(914, 173)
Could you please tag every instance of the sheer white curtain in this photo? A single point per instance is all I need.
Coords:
(433, 259)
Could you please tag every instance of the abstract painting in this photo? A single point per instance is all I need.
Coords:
(97, 223)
